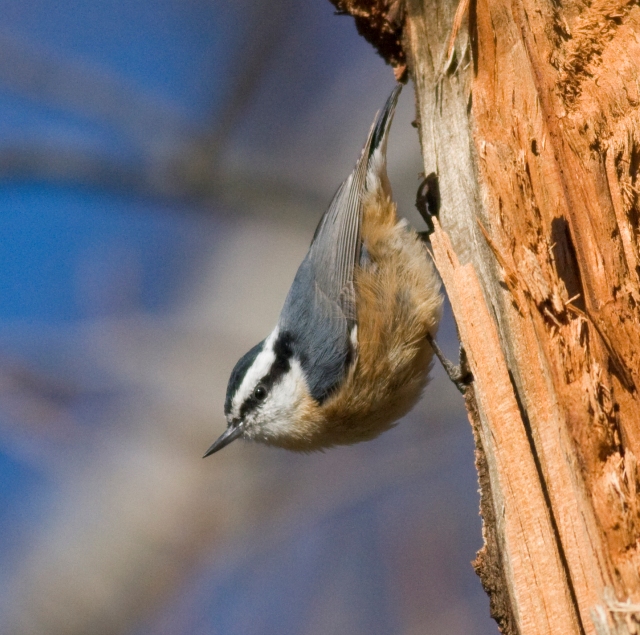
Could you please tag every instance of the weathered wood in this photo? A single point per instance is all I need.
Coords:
(533, 565)
(532, 122)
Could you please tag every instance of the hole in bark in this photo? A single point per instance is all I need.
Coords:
(564, 254)
(534, 147)
(561, 30)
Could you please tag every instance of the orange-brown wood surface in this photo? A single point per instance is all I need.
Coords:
(530, 115)
(535, 570)
(555, 99)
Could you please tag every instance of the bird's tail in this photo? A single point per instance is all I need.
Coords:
(382, 123)
(374, 158)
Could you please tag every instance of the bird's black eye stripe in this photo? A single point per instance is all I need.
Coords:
(283, 349)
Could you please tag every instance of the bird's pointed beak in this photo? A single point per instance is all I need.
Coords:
(229, 435)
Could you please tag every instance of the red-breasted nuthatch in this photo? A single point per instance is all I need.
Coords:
(352, 349)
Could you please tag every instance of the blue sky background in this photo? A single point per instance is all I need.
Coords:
(162, 166)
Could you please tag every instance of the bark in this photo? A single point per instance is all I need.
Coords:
(532, 122)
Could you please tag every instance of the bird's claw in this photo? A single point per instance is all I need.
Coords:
(428, 201)
(459, 374)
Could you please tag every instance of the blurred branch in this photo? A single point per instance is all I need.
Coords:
(240, 189)
(198, 169)
(37, 412)
(179, 160)
(58, 81)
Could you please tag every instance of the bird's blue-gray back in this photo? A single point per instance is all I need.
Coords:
(321, 305)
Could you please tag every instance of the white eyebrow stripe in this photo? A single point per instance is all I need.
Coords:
(257, 370)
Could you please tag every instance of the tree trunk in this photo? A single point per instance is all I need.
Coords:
(533, 127)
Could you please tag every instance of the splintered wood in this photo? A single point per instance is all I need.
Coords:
(530, 549)
(557, 125)
(553, 105)
(529, 112)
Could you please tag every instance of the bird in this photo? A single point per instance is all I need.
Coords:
(352, 349)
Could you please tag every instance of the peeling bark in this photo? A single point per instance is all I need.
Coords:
(380, 23)
(532, 122)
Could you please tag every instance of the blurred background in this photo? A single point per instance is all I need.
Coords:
(163, 164)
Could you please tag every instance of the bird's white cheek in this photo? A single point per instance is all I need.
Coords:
(281, 411)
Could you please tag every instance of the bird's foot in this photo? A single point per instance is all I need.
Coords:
(428, 201)
(459, 374)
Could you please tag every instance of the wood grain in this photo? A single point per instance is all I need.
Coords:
(529, 112)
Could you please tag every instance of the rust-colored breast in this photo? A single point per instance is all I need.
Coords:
(398, 301)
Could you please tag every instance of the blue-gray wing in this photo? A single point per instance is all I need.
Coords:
(320, 310)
